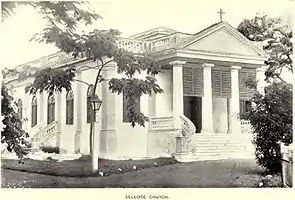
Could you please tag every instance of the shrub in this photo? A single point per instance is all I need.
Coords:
(49, 149)
(271, 119)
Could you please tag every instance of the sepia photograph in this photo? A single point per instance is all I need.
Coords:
(147, 94)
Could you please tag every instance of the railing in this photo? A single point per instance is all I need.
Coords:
(245, 126)
(44, 134)
(187, 131)
(135, 46)
(169, 41)
(161, 123)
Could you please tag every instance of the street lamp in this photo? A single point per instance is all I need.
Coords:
(95, 104)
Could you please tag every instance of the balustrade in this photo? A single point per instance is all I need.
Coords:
(45, 133)
(245, 126)
(161, 123)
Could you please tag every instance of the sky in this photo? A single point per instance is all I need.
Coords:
(131, 17)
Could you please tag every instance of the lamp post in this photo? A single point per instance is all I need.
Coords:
(95, 104)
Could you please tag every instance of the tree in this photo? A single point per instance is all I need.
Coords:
(271, 119)
(57, 14)
(276, 36)
(99, 46)
(271, 115)
(12, 134)
(63, 16)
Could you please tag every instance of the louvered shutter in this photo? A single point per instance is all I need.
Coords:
(244, 75)
(221, 85)
(188, 81)
(198, 83)
(216, 82)
(192, 80)
(242, 84)
(251, 75)
(226, 83)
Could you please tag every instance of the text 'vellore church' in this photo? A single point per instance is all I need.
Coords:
(203, 77)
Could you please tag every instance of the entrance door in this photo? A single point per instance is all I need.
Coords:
(193, 110)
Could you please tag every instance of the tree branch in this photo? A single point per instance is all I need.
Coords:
(88, 67)
(81, 82)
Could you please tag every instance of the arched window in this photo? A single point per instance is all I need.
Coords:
(34, 111)
(50, 108)
(90, 112)
(70, 108)
(20, 111)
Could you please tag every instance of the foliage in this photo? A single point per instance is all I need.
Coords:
(100, 46)
(51, 80)
(62, 17)
(56, 13)
(276, 36)
(49, 149)
(271, 119)
(12, 135)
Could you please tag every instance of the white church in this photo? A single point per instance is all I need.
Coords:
(203, 77)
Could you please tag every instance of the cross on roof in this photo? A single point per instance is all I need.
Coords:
(220, 14)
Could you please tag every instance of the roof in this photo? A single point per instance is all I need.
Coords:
(161, 29)
(233, 31)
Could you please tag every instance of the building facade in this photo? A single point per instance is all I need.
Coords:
(203, 77)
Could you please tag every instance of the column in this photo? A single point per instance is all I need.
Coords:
(58, 117)
(108, 137)
(260, 79)
(152, 103)
(41, 105)
(177, 90)
(26, 112)
(207, 111)
(78, 112)
(235, 123)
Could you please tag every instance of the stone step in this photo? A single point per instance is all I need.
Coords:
(220, 156)
(218, 149)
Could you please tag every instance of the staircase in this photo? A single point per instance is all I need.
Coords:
(193, 146)
(44, 135)
(221, 146)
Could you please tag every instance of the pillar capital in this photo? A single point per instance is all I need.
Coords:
(177, 62)
(235, 67)
(208, 65)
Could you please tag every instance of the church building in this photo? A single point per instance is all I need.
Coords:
(203, 77)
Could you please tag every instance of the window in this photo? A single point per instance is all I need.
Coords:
(20, 111)
(125, 104)
(70, 108)
(50, 108)
(90, 113)
(34, 111)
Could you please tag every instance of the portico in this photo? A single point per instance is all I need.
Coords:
(209, 80)
(211, 104)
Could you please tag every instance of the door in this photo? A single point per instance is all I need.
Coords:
(193, 110)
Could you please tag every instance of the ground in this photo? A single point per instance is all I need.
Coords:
(222, 174)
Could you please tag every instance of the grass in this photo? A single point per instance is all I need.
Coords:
(202, 174)
(82, 167)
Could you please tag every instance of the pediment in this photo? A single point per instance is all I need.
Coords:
(223, 41)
